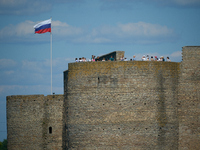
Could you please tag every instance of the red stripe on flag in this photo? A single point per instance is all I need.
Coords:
(43, 31)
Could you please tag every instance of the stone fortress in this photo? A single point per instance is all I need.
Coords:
(122, 105)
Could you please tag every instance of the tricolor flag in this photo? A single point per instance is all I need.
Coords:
(43, 27)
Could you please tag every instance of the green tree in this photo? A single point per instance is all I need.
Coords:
(3, 145)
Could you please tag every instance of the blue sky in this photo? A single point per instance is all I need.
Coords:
(81, 28)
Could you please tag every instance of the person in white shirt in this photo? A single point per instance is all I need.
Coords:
(168, 59)
(143, 58)
(133, 58)
(122, 58)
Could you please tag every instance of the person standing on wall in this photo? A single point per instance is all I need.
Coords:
(111, 58)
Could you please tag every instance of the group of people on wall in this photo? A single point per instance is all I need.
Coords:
(144, 58)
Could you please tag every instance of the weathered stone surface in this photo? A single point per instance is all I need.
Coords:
(127, 105)
(122, 105)
(189, 98)
(29, 118)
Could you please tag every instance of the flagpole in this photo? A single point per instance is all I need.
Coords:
(46, 27)
(51, 56)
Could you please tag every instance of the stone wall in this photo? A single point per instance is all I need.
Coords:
(189, 98)
(34, 122)
(113, 105)
(121, 105)
(116, 55)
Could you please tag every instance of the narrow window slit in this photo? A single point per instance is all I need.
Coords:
(50, 130)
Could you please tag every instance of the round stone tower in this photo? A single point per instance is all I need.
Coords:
(121, 105)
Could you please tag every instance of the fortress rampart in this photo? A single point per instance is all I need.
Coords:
(189, 99)
(118, 105)
(35, 122)
(113, 105)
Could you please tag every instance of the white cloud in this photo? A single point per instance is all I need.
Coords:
(63, 29)
(35, 66)
(12, 3)
(144, 29)
(141, 33)
(69, 59)
(31, 7)
(28, 7)
(184, 3)
(28, 89)
(176, 54)
(28, 72)
(7, 63)
(9, 72)
(24, 32)
(19, 30)
(24, 7)
(128, 4)
(31, 77)
(174, 57)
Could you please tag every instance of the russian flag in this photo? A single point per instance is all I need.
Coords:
(43, 27)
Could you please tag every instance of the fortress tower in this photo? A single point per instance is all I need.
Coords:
(113, 105)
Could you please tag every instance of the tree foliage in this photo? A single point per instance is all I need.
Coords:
(3, 145)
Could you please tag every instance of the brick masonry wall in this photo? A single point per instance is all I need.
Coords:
(121, 105)
(189, 98)
(29, 118)
(113, 105)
